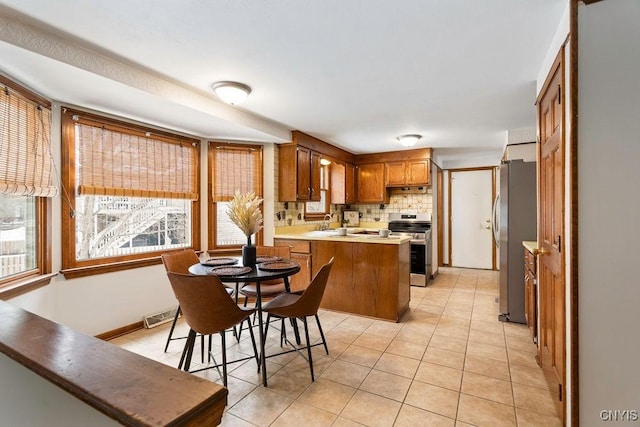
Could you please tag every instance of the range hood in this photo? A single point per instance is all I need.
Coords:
(421, 189)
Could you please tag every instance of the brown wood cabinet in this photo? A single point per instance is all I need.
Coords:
(343, 183)
(366, 279)
(299, 174)
(371, 185)
(350, 183)
(530, 293)
(301, 253)
(395, 173)
(412, 172)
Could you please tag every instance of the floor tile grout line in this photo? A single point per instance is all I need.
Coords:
(456, 298)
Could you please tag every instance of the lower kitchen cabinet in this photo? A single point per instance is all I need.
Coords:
(367, 279)
(301, 253)
(530, 293)
(301, 280)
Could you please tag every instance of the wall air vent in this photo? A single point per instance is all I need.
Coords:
(157, 319)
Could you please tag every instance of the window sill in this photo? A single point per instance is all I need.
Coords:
(224, 252)
(23, 286)
(72, 273)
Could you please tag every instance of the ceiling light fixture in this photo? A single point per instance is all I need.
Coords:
(409, 140)
(231, 92)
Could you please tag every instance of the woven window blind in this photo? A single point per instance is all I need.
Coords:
(236, 169)
(25, 151)
(113, 162)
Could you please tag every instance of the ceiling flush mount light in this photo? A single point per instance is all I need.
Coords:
(231, 92)
(409, 140)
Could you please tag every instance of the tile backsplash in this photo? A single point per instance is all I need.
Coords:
(398, 202)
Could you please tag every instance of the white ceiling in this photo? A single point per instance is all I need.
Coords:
(354, 73)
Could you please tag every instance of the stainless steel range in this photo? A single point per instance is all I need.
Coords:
(418, 227)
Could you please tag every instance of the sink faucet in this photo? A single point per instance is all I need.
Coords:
(325, 222)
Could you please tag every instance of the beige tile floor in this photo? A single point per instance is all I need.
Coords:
(449, 362)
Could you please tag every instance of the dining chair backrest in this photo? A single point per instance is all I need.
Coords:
(205, 304)
(309, 301)
(279, 251)
(179, 262)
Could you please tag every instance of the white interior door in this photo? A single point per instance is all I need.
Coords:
(471, 204)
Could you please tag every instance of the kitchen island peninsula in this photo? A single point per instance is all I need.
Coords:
(370, 276)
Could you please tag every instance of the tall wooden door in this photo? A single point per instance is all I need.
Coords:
(551, 278)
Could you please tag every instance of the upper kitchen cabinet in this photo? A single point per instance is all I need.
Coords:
(412, 172)
(343, 183)
(377, 171)
(300, 169)
(299, 174)
(371, 186)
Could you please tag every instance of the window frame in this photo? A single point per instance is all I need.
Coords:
(325, 186)
(29, 280)
(71, 267)
(212, 213)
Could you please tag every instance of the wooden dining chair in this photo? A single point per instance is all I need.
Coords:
(268, 288)
(300, 305)
(178, 262)
(208, 310)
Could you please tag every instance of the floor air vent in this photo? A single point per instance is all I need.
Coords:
(157, 319)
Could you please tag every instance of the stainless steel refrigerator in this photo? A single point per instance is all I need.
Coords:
(515, 213)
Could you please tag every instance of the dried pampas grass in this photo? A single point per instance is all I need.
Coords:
(244, 211)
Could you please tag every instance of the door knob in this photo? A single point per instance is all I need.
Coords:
(543, 251)
(488, 227)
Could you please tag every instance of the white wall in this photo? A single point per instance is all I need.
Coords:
(558, 40)
(27, 399)
(609, 207)
(526, 152)
(269, 156)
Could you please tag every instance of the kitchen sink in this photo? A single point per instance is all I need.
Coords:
(322, 233)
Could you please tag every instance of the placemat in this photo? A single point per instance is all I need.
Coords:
(277, 265)
(215, 262)
(267, 258)
(230, 271)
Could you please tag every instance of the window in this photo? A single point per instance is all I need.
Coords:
(231, 167)
(132, 194)
(315, 210)
(26, 167)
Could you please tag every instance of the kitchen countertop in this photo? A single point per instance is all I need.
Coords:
(354, 235)
(531, 246)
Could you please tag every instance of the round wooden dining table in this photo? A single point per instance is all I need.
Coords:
(259, 273)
